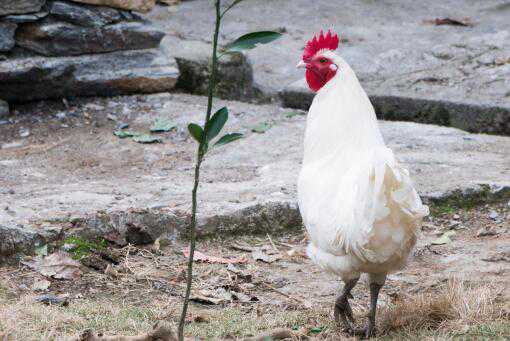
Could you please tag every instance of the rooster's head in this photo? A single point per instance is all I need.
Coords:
(318, 60)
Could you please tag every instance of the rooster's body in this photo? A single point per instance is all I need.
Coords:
(358, 204)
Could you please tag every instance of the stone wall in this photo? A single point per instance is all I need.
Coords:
(51, 49)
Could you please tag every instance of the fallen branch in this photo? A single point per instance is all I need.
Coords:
(294, 298)
(159, 333)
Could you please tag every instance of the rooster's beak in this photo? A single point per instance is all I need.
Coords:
(301, 64)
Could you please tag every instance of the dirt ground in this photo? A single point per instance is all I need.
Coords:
(129, 292)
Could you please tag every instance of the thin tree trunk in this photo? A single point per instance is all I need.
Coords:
(200, 157)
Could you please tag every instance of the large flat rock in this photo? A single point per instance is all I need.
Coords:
(466, 115)
(51, 38)
(395, 49)
(86, 15)
(81, 174)
(20, 6)
(108, 74)
(7, 30)
(135, 5)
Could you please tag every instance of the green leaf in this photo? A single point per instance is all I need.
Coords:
(125, 133)
(261, 128)
(42, 250)
(316, 330)
(444, 239)
(251, 40)
(147, 138)
(290, 114)
(162, 125)
(228, 138)
(196, 131)
(216, 123)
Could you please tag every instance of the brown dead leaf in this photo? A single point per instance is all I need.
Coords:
(41, 284)
(201, 257)
(214, 297)
(502, 61)
(243, 298)
(201, 318)
(247, 277)
(57, 265)
(466, 22)
(260, 255)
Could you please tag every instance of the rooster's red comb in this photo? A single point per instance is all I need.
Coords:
(328, 42)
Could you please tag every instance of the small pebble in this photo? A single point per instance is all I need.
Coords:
(52, 299)
(23, 132)
(493, 215)
(111, 117)
(483, 232)
(122, 125)
(69, 247)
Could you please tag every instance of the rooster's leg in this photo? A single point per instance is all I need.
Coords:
(343, 309)
(376, 283)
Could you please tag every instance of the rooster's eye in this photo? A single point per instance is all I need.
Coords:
(323, 60)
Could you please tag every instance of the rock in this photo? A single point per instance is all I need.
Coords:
(22, 18)
(19, 237)
(485, 232)
(135, 226)
(109, 74)
(7, 36)
(473, 117)
(4, 109)
(169, 2)
(13, 144)
(235, 74)
(135, 5)
(20, 6)
(85, 15)
(51, 299)
(493, 215)
(24, 132)
(64, 39)
(237, 194)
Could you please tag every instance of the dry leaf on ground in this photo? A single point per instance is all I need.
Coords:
(201, 257)
(264, 257)
(57, 265)
(450, 21)
(41, 284)
(214, 297)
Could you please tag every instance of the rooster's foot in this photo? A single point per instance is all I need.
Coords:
(369, 329)
(343, 310)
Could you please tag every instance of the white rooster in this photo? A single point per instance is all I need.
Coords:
(358, 204)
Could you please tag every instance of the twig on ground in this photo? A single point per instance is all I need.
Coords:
(272, 243)
(242, 248)
(297, 299)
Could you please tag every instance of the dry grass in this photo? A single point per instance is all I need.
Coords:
(456, 308)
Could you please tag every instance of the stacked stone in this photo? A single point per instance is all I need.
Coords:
(66, 48)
